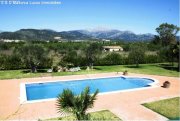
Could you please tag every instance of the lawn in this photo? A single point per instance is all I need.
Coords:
(169, 108)
(100, 115)
(153, 69)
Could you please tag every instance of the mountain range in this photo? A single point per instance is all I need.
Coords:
(118, 35)
(50, 35)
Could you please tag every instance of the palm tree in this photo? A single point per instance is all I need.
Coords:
(77, 105)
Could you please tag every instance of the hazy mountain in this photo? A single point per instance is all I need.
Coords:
(29, 34)
(42, 35)
(118, 35)
(74, 35)
(45, 34)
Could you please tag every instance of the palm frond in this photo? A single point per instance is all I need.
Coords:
(68, 102)
(65, 101)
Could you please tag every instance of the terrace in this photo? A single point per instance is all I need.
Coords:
(122, 104)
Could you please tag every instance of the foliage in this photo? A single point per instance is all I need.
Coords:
(77, 105)
(157, 40)
(176, 50)
(32, 55)
(111, 59)
(152, 59)
(167, 34)
(4, 46)
(10, 62)
(55, 57)
(72, 57)
(170, 53)
(137, 54)
(91, 53)
(55, 69)
(114, 59)
(46, 54)
(154, 45)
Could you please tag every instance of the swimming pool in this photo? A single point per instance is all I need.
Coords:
(50, 90)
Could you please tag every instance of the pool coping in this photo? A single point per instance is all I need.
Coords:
(23, 96)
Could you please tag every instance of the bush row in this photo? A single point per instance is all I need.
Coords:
(117, 59)
(14, 62)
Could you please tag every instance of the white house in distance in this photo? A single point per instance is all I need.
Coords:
(112, 48)
(8, 40)
(105, 40)
(57, 38)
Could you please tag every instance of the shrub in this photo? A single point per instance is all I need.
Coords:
(152, 59)
(136, 54)
(10, 62)
(55, 68)
(110, 59)
(32, 55)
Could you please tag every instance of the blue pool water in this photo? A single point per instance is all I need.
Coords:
(37, 91)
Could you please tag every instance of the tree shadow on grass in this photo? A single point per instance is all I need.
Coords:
(168, 67)
(97, 68)
(133, 66)
(38, 71)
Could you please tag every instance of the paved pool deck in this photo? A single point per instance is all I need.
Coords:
(126, 105)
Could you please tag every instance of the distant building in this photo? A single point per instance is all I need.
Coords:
(8, 40)
(57, 38)
(112, 48)
(105, 40)
(78, 40)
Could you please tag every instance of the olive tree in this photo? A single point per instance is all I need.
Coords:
(113, 59)
(136, 54)
(92, 52)
(176, 49)
(32, 55)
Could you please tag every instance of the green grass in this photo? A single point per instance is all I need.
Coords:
(152, 69)
(169, 108)
(100, 115)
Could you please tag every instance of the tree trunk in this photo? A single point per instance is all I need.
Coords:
(172, 61)
(178, 66)
(81, 116)
(78, 116)
(137, 64)
(33, 69)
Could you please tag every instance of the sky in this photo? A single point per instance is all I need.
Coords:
(138, 16)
